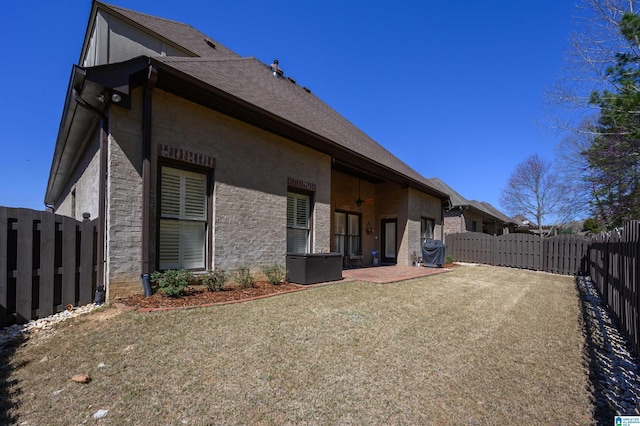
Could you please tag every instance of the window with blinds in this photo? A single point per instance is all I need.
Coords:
(426, 228)
(298, 213)
(183, 219)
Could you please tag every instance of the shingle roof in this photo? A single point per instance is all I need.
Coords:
(183, 35)
(456, 198)
(249, 81)
(252, 81)
(459, 200)
(497, 213)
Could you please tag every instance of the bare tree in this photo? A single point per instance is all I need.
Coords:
(601, 53)
(533, 190)
(592, 50)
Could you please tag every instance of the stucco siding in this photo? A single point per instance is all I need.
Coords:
(81, 194)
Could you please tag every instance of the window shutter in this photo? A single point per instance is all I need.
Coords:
(183, 211)
(170, 193)
(195, 197)
(298, 211)
(302, 212)
(192, 235)
(169, 244)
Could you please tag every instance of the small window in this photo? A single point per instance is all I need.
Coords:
(183, 219)
(298, 228)
(426, 228)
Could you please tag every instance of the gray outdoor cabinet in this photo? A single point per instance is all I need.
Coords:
(310, 268)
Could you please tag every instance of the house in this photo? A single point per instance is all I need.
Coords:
(194, 157)
(463, 215)
(524, 225)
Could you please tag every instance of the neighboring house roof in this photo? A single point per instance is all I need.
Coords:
(523, 222)
(457, 200)
(497, 213)
(251, 93)
(454, 196)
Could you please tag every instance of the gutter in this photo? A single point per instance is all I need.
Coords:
(102, 180)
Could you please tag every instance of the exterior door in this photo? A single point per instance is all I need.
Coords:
(389, 241)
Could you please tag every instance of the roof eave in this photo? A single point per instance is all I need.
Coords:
(77, 122)
(189, 87)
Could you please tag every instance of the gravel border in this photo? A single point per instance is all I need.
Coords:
(613, 369)
(19, 330)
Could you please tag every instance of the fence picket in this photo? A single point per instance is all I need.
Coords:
(40, 253)
(68, 261)
(46, 272)
(24, 268)
(4, 245)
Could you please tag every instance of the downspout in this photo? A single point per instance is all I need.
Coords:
(102, 180)
(442, 210)
(152, 77)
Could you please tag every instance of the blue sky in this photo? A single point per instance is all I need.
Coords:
(454, 89)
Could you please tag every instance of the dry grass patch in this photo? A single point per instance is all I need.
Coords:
(479, 345)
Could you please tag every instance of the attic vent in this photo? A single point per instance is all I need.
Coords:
(307, 89)
(210, 43)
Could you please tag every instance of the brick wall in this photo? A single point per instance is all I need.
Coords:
(344, 190)
(250, 181)
(453, 222)
(124, 195)
(422, 205)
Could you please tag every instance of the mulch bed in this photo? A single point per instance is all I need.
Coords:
(201, 296)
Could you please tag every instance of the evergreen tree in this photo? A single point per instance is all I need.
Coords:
(614, 155)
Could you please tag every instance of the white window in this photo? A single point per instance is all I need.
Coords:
(183, 219)
(426, 228)
(298, 213)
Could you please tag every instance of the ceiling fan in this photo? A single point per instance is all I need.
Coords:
(360, 201)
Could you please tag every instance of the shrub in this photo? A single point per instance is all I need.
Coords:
(215, 280)
(275, 273)
(172, 282)
(448, 259)
(592, 225)
(244, 278)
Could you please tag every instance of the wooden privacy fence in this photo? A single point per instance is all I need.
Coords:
(614, 263)
(47, 262)
(611, 260)
(562, 254)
